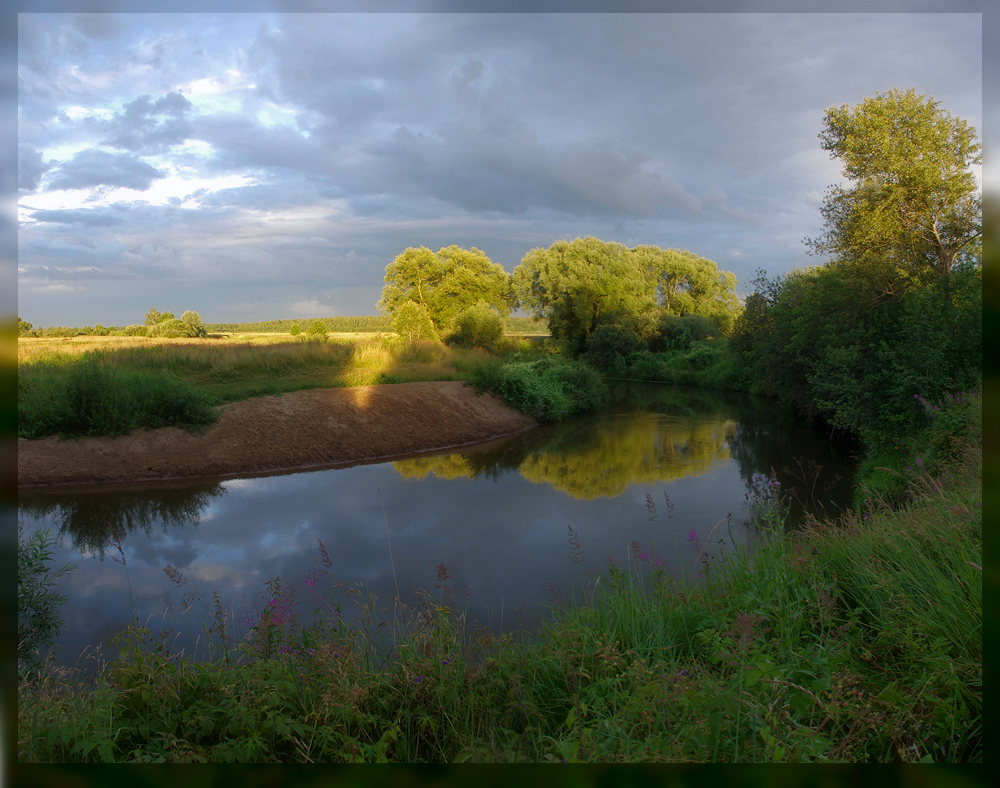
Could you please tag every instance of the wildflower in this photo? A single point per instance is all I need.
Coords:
(693, 535)
(919, 461)
(418, 679)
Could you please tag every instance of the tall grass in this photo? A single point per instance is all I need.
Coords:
(88, 398)
(112, 385)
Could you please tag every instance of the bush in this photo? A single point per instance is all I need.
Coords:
(38, 622)
(412, 321)
(295, 330)
(132, 331)
(93, 399)
(316, 329)
(548, 389)
(173, 328)
(478, 326)
(608, 343)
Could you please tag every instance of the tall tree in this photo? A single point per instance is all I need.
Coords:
(580, 285)
(913, 206)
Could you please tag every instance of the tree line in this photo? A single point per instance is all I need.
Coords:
(575, 287)
(890, 320)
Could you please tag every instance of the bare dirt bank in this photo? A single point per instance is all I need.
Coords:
(297, 430)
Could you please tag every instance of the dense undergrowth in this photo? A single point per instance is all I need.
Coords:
(855, 640)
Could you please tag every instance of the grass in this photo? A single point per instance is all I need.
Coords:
(137, 377)
(855, 640)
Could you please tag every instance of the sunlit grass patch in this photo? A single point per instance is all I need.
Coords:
(216, 370)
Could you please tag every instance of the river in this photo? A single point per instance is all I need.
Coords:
(514, 525)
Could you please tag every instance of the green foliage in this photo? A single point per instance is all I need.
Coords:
(152, 317)
(295, 329)
(913, 208)
(608, 345)
(412, 321)
(579, 285)
(132, 331)
(549, 389)
(316, 328)
(87, 397)
(38, 604)
(445, 282)
(23, 326)
(478, 326)
(172, 328)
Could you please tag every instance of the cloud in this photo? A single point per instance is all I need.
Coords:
(90, 168)
(145, 125)
(30, 167)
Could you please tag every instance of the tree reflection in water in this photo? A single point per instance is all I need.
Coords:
(654, 433)
(93, 516)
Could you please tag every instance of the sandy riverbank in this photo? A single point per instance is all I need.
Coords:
(298, 430)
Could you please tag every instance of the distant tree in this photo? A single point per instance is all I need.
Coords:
(295, 329)
(23, 326)
(172, 328)
(193, 319)
(316, 329)
(912, 209)
(445, 283)
(152, 317)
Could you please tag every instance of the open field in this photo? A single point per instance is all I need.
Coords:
(247, 365)
(111, 385)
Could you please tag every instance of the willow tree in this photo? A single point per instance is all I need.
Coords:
(580, 285)
(445, 283)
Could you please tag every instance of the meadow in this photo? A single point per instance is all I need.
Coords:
(88, 385)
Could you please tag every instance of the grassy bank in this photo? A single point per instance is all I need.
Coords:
(130, 382)
(853, 641)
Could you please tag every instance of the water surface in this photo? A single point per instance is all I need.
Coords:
(499, 518)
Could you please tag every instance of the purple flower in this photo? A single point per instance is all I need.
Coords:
(418, 679)
(919, 461)
(693, 535)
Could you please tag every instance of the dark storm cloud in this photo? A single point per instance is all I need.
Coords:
(356, 136)
(90, 168)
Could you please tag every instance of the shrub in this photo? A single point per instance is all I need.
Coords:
(93, 399)
(133, 331)
(672, 333)
(608, 343)
(295, 330)
(172, 328)
(316, 329)
(412, 321)
(478, 326)
(38, 622)
(548, 389)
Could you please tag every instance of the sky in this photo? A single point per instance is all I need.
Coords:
(270, 165)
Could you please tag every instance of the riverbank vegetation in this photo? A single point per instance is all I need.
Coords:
(859, 640)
